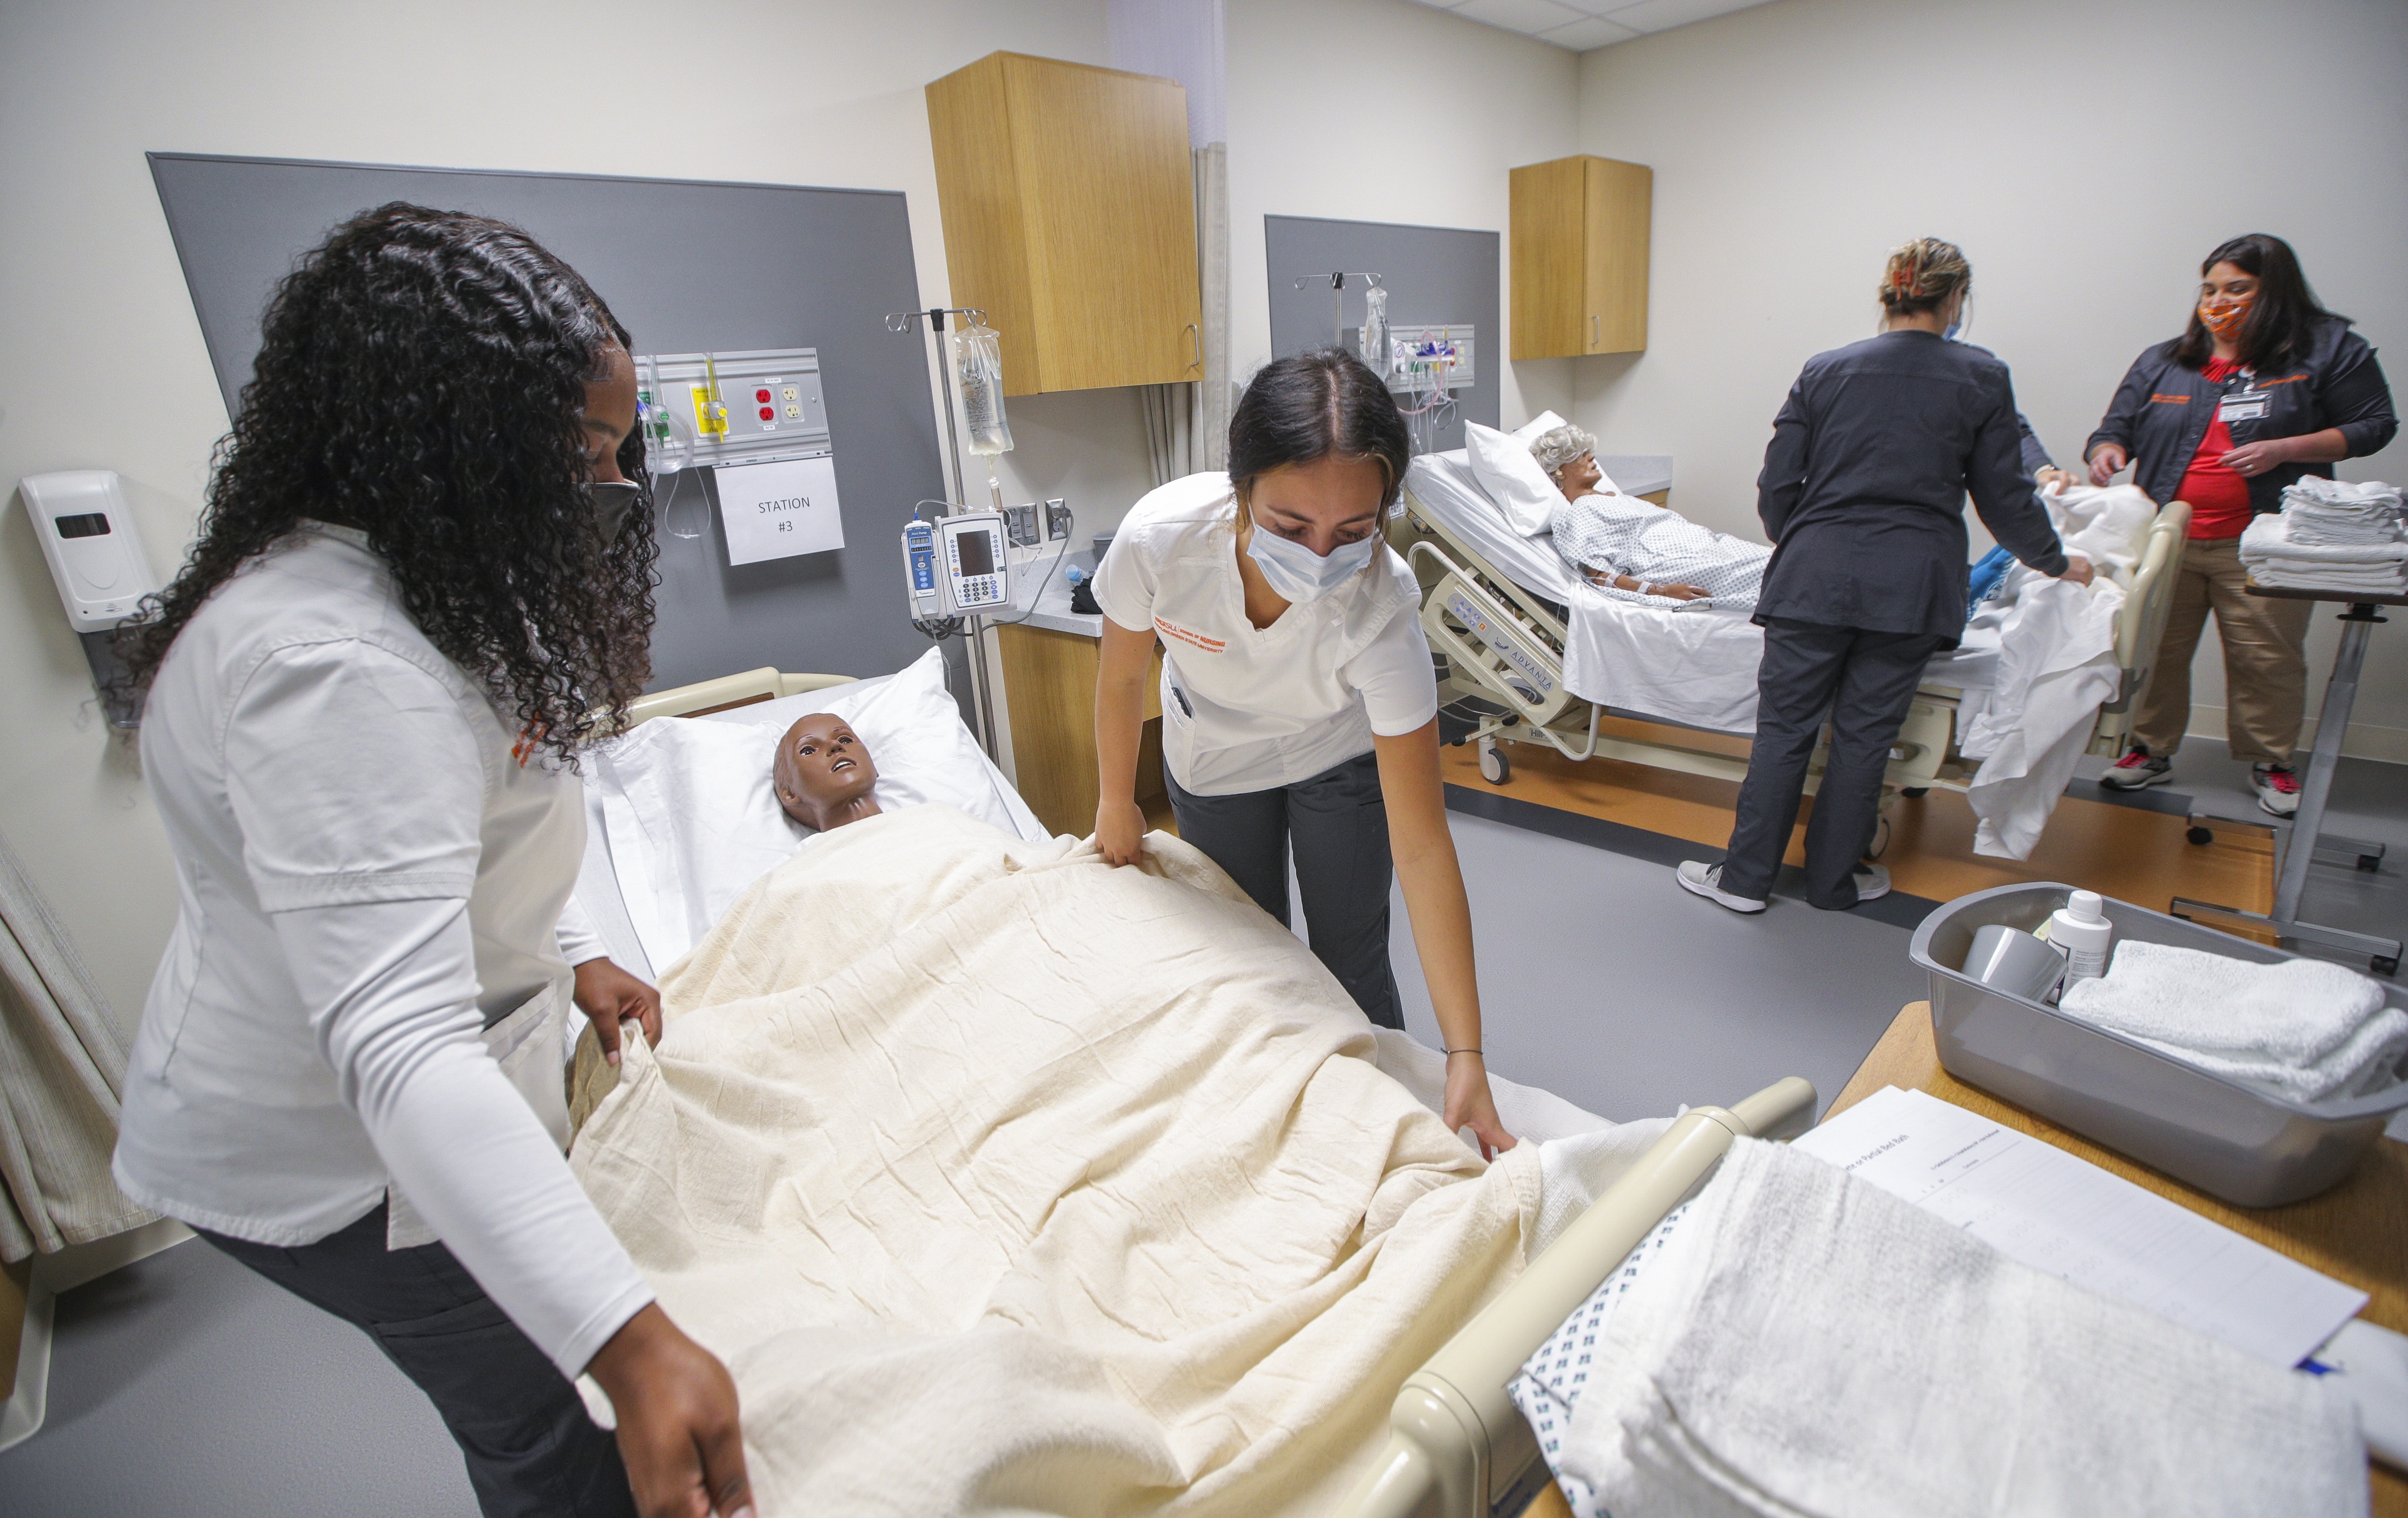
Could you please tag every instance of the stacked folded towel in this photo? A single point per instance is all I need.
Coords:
(2330, 536)
(2301, 1029)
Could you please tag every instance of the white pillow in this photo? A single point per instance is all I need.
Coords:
(1537, 427)
(1512, 479)
(692, 818)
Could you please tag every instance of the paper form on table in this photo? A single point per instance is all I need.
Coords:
(2059, 1214)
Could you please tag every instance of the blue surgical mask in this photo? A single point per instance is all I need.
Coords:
(1957, 329)
(1298, 574)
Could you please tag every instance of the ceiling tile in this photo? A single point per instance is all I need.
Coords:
(1530, 17)
(1582, 35)
(1663, 15)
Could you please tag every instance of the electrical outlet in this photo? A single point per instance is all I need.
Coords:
(1057, 519)
(1020, 524)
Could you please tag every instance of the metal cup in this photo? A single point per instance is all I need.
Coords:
(2009, 959)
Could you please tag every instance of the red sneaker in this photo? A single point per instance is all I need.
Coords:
(2278, 788)
(2136, 769)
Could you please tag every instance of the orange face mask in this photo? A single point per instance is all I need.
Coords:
(2225, 319)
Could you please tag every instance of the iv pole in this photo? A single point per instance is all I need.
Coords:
(1336, 279)
(975, 628)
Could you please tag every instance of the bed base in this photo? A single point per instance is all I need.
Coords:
(1504, 645)
(1457, 1447)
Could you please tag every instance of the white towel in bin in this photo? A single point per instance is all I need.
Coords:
(1806, 1343)
(2303, 1028)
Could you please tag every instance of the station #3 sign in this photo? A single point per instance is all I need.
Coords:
(778, 511)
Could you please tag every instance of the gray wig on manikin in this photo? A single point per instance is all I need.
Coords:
(1560, 445)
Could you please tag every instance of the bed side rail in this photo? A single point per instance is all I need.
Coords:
(718, 695)
(1457, 1443)
(2141, 625)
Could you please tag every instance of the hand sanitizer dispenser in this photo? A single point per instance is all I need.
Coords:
(96, 560)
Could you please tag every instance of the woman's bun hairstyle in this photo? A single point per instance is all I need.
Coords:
(1922, 276)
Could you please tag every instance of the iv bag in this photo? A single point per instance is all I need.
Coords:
(1375, 331)
(978, 368)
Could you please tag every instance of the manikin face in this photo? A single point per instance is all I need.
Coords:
(823, 772)
(1578, 477)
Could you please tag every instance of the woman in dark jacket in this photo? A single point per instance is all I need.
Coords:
(1863, 495)
(2263, 387)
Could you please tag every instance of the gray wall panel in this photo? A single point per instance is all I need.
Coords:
(1432, 274)
(687, 268)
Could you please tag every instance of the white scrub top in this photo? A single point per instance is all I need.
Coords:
(1251, 710)
(364, 994)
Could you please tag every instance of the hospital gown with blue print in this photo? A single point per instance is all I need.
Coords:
(1625, 535)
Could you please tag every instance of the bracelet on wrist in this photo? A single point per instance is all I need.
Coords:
(1474, 1049)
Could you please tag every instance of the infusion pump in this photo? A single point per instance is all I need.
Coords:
(957, 566)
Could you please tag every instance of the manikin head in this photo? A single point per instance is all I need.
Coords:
(823, 773)
(1569, 454)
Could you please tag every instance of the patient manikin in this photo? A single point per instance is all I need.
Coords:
(823, 773)
(1622, 543)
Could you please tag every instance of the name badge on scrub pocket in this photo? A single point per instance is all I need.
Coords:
(2247, 403)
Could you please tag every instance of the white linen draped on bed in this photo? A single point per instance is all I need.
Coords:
(1004, 1181)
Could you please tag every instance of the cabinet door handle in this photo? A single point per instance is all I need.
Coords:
(1197, 362)
(1592, 330)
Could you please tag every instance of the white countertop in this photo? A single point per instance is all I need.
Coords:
(1044, 576)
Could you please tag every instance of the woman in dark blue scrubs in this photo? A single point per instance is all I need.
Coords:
(1863, 495)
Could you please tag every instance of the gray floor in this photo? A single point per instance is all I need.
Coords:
(1603, 982)
(182, 1385)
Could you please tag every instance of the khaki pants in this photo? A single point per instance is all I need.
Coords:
(2265, 662)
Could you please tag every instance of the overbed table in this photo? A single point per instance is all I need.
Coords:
(2357, 1232)
(2305, 832)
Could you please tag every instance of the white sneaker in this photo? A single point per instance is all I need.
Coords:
(2277, 787)
(1699, 879)
(1872, 883)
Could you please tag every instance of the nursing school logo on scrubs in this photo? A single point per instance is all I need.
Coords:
(1191, 638)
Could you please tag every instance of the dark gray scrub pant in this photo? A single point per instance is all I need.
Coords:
(1339, 827)
(530, 1447)
(1864, 683)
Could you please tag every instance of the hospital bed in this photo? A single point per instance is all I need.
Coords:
(1498, 607)
(1456, 1444)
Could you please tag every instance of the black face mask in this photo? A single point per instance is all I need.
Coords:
(611, 500)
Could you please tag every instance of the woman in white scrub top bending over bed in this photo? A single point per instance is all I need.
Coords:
(417, 587)
(1297, 699)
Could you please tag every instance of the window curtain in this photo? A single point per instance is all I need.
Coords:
(62, 1067)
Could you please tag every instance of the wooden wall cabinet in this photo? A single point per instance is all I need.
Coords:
(1049, 681)
(1580, 257)
(1069, 211)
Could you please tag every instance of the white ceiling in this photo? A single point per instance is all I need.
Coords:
(1582, 24)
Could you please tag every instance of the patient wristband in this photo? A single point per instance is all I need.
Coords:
(1452, 1052)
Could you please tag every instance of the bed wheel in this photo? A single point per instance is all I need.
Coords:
(1880, 839)
(1915, 792)
(2201, 835)
(1494, 766)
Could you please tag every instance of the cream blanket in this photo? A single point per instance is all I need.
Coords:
(1005, 1182)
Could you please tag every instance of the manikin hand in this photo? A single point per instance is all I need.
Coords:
(1469, 1105)
(1120, 829)
(607, 995)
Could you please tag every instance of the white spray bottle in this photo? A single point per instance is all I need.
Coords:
(2080, 931)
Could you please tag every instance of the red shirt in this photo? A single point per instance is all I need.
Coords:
(2218, 497)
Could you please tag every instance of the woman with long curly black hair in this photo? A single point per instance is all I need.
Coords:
(423, 577)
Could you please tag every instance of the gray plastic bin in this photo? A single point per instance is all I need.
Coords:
(2247, 1146)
